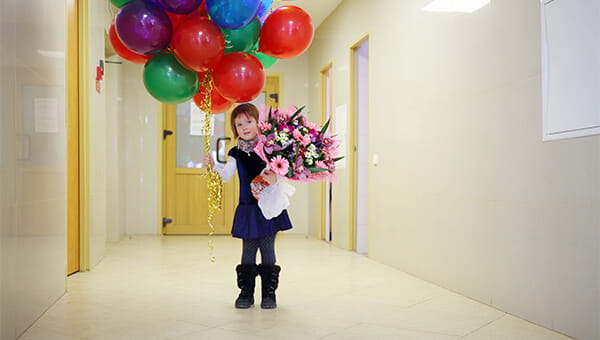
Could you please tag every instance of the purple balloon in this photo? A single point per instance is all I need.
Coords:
(143, 28)
(179, 6)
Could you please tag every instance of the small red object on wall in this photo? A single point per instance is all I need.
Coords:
(99, 75)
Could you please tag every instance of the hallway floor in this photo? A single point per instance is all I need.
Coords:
(155, 287)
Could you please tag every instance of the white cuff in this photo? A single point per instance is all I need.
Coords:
(226, 171)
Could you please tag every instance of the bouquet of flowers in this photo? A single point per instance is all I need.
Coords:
(296, 148)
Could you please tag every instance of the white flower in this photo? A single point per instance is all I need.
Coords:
(282, 137)
(311, 152)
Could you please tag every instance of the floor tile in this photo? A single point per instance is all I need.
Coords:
(165, 287)
(366, 331)
(510, 327)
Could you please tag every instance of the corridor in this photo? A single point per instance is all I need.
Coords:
(165, 287)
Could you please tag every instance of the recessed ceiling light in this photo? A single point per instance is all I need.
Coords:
(462, 6)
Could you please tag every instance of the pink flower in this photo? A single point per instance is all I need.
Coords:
(286, 128)
(289, 111)
(321, 164)
(330, 152)
(279, 165)
(264, 126)
(297, 135)
(304, 140)
(300, 172)
(312, 126)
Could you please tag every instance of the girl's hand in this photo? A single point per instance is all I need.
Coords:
(208, 160)
(269, 176)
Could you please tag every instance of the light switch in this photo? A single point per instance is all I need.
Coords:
(375, 159)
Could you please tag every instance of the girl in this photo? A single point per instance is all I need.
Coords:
(249, 223)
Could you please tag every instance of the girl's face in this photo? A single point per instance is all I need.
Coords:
(246, 127)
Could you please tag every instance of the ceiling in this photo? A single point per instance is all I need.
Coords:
(317, 9)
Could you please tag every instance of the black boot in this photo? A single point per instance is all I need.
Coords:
(269, 275)
(246, 275)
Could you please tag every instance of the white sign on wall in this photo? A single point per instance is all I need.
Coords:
(570, 68)
(46, 114)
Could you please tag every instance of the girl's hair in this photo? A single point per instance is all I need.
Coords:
(243, 109)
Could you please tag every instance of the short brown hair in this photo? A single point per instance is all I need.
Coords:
(247, 109)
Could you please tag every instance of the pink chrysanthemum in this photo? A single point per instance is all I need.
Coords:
(279, 165)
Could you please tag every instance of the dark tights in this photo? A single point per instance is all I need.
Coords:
(266, 245)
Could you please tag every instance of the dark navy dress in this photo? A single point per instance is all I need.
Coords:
(249, 221)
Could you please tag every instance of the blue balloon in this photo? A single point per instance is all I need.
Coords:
(265, 6)
(232, 14)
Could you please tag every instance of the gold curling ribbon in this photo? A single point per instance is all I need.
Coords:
(213, 179)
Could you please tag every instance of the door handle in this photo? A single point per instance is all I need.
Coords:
(219, 140)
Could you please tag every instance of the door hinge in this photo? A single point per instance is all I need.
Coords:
(167, 133)
(166, 221)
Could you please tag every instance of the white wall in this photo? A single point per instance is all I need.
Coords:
(466, 194)
(124, 145)
(97, 152)
(115, 198)
(142, 145)
(32, 162)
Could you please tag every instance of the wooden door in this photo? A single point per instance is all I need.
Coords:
(185, 191)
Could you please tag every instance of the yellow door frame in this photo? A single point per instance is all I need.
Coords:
(73, 230)
(163, 176)
(353, 130)
(84, 129)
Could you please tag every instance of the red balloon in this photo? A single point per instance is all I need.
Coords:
(201, 11)
(122, 50)
(218, 104)
(177, 19)
(198, 44)
(286, 33)
(239, 77)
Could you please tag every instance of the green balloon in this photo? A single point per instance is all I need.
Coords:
(241, 40)
(266, 60)
(169, 82)
(119, 3)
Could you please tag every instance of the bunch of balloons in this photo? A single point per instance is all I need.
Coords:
(229, 42)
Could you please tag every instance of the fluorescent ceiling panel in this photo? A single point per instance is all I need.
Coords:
(461, 6)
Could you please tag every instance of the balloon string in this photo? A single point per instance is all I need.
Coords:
(213, 179)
